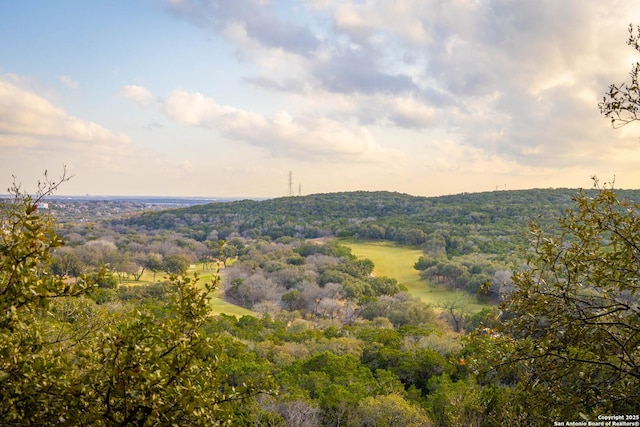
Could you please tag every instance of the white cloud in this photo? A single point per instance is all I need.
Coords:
(515, 80)
(138, 94)
(281, 135)
(36, 135)
(28, 117)
(68, 82)
(410, 112)
(406, 19)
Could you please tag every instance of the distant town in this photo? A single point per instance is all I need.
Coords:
(81, 209)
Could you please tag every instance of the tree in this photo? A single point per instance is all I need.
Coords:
(454, 312)
(27, 239)
(153, 262)
(65, 360)
(622, 103)
(423, 263)
(570, 331)
(97, 253)
(176, 264)
(385, 285)
(146, 369)
(227, 251)
(65, 262)
(388, 411)
(456, 403)
(291, 299)
(27, 289)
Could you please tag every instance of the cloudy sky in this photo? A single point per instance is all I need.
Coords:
(225, 98)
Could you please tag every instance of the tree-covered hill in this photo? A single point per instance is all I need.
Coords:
(469, 222)
(334, 345)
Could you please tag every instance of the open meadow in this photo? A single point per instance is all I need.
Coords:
(390, 260)
(218, 304)
(397, 261)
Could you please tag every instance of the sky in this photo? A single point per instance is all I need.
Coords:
(232, 98)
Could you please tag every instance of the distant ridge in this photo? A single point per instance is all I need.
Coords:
(167, 201)
(144, 199)
(370, 215)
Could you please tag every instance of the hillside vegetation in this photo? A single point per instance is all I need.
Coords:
(351, 309)
(487, 222)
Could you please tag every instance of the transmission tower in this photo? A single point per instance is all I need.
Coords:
(290, 192)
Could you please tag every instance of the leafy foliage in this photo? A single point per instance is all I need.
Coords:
(621, 104)
(325, 280)
(490, 222)
(26, 241)
(570, 335)
(341, 347)
(66, 360)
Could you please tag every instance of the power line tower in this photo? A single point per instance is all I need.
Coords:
(290, 192)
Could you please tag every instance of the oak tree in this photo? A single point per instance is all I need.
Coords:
(621, 104)
(569, 336)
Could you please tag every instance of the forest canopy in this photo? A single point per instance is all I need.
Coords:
(329, 343)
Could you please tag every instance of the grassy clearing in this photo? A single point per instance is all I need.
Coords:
(397, 261)
(218, 304)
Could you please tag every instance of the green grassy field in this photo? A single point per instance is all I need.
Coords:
(390, 260)
(218, 304)
(397, 261)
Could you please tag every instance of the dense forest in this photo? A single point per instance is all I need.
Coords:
(468, 240)
(367, 215)
(104, 322)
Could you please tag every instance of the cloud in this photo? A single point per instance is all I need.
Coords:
(286, 85)
(153, 125)
(258, 20)
(306, 138)
(355, 70)
(405, 20)
(408, 112)
(68, 82)
(514, 79)
(27, 120)
(294, 58)
(138, 94)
